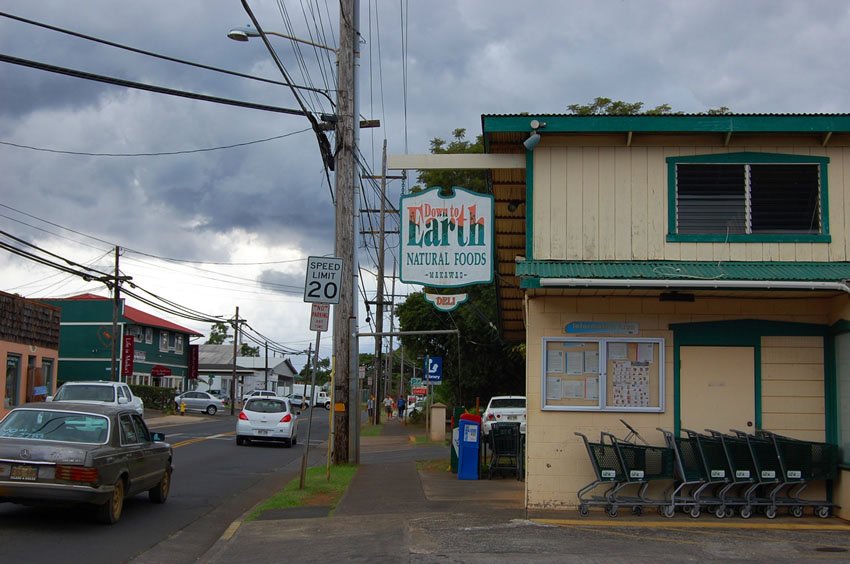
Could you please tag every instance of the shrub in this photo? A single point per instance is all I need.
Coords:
(155, 397)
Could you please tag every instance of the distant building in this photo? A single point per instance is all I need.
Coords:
(29, 341)
(215, 371)
(161, 350)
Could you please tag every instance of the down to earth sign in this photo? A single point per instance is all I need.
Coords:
(446, 239)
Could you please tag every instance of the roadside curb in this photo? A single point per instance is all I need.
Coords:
(830, 525)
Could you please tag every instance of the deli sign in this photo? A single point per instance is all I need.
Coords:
(446, 240)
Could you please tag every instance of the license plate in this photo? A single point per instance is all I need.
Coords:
(262, 431)
(511, 417)
(24, 473)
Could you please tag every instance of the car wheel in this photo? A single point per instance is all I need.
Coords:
(159, 493)
(211, 409)
(110, 512)
(287, 443)
(328, 406)
(295, 440)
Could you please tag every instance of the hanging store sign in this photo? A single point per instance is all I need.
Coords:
(128, 355)
(446, 302)
(446, 240)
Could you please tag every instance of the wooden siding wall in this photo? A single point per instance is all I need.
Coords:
(610, 203)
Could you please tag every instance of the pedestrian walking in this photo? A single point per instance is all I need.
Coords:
(401, 404)
(370, 407)
(388, 405)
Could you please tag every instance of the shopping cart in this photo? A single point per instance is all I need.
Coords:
(702, 471)
(800, 463)
(643, 464)
(742, 472)
(609, 472)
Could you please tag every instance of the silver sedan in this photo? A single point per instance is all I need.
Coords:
(199, 401)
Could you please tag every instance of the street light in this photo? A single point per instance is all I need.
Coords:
(244, 33)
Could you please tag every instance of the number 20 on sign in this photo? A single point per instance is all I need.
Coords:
(324, 275)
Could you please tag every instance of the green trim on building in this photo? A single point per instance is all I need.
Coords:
(684, 270)
(788, 124)
(529, 205)
(746, 158)
(749, 333)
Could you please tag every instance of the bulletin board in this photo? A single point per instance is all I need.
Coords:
(603, 374)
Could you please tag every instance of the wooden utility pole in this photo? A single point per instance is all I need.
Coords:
(116, 305)
(379, 297)
(233, 380)
(345, 317)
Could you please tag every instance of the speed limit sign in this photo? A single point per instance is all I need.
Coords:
(324, 276)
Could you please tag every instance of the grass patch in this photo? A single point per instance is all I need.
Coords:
(371, 430)
(318, 490)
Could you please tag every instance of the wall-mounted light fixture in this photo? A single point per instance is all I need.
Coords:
(513, 205)
(675, 297)
(534, 138)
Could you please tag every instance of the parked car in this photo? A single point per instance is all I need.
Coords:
(267, 419)
(418, 405)
(223, 396)
(504, 409)
(259, 394)
(66, 453)
(99, 391)
(298, 400)
(199, 401)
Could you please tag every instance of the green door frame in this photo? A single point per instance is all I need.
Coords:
(748, 333)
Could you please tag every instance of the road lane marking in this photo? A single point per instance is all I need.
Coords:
(194, 440)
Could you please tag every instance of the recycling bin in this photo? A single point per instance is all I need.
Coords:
(468, 443)
(457, 411)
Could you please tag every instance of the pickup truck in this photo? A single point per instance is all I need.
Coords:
(323, 399)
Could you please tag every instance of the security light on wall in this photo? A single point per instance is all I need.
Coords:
(533, 139)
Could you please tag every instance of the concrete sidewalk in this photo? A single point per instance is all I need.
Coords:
(397, 511)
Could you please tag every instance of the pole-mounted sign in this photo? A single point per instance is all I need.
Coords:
(324, 276)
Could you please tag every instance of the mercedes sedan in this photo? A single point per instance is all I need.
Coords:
(81, 454)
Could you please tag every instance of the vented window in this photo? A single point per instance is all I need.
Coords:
(748, 196)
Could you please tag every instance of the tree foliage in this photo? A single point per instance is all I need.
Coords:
(475, 180)
(323, 373)
(248, 350)
(218, 334)
(601, 106)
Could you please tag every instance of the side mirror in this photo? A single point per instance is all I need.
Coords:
(48, 398)
(158, 437)
(298, 412)
(123, 400)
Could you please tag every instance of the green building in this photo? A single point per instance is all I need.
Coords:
(151, 351)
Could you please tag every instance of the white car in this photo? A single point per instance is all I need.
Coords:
(267, 419)
(298, 401)
(99, 391)
(504, 409)
(259, 394)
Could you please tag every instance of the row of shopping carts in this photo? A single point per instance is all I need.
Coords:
(718, 473)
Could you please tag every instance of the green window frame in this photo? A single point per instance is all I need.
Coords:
(747, 159)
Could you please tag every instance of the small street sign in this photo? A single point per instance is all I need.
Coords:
(319, 317)
(423, 391)
(415, 382)
(434, 369)
(324, 276)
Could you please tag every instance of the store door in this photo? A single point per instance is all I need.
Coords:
(717, 388)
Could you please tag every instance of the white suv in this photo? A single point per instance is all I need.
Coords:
(259, 394)
(504, 409)
(101, 391)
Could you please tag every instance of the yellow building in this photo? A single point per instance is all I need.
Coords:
(681, 272)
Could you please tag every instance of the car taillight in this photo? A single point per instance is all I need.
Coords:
(242, 416)
(286, 418)
(491, 417)
(79, 474)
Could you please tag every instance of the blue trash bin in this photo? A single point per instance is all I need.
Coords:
(469, 440)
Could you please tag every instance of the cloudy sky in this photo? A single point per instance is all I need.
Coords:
(229, 214)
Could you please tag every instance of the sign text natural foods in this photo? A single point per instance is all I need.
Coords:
(446, 240)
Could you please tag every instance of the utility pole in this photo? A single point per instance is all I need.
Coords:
(233, 380)
(392, 292)
(266, 385)
(345, 314)
(116, 305)
(379, 297)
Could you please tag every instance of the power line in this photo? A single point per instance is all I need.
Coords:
(149, 88)
(157, 154)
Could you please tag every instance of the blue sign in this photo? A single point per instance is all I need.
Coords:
(434, 369)
(585, 327)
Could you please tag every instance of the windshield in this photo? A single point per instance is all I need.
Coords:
(85, 392)
(55, 426)
(508, 402)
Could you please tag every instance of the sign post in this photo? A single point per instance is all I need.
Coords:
(321, 288)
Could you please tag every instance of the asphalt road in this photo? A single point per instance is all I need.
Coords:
(214, 482)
